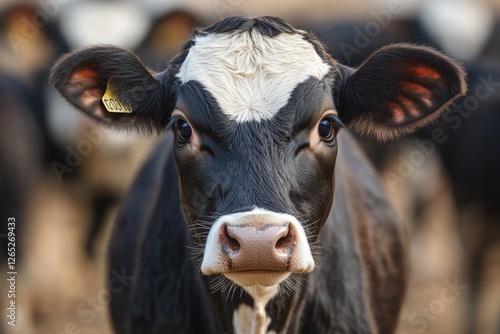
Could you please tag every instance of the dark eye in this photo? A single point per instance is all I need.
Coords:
(184, 131)
(326, 129)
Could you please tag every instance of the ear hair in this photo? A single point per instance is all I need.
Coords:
(397, 90)
(82, 77)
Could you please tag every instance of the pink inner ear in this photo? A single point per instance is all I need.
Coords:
(426, 72)
(84, 75)
(398, 113)
(91, 96)
(85, 82)
(410, 106)
(421, 92)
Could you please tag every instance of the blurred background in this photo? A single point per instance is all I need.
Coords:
(62, 178)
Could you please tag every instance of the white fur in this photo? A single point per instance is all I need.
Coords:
(251, 75)
(246, 320)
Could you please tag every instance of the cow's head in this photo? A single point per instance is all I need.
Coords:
(255, 106)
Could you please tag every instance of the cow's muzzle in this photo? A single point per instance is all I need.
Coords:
(257, 247)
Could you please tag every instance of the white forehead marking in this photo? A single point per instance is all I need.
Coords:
(249, 74)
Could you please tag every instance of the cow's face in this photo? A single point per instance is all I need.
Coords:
(255, 128)
(255, 107)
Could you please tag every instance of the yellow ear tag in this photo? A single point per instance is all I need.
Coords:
(112, 103)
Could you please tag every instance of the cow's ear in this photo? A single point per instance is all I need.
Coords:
(112, 86)
(397, 90)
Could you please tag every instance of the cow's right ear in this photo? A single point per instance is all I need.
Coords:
(112, 86)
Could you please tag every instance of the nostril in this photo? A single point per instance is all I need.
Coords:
(229, 239)
(284, 242)
(287, 239)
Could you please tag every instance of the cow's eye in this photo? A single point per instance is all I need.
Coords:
(184, 131)
(326, 129)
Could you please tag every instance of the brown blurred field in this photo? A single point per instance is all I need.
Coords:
(61, 289)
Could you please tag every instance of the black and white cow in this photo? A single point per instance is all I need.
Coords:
(275, 198)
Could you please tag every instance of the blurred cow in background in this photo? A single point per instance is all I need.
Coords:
(24, 143)
(51, 157)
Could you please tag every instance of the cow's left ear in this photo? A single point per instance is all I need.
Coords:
(113, 87)
(397, 90)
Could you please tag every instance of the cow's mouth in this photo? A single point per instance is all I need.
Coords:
(265, 278)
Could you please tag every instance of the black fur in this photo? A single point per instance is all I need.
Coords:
(266, 25)
(169, 295)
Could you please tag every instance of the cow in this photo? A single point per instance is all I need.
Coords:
(257, 212)
(19, 161)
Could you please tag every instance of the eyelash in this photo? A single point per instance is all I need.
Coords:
(336, 120)
(173, 120)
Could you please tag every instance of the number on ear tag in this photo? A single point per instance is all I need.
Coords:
(112, 103)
